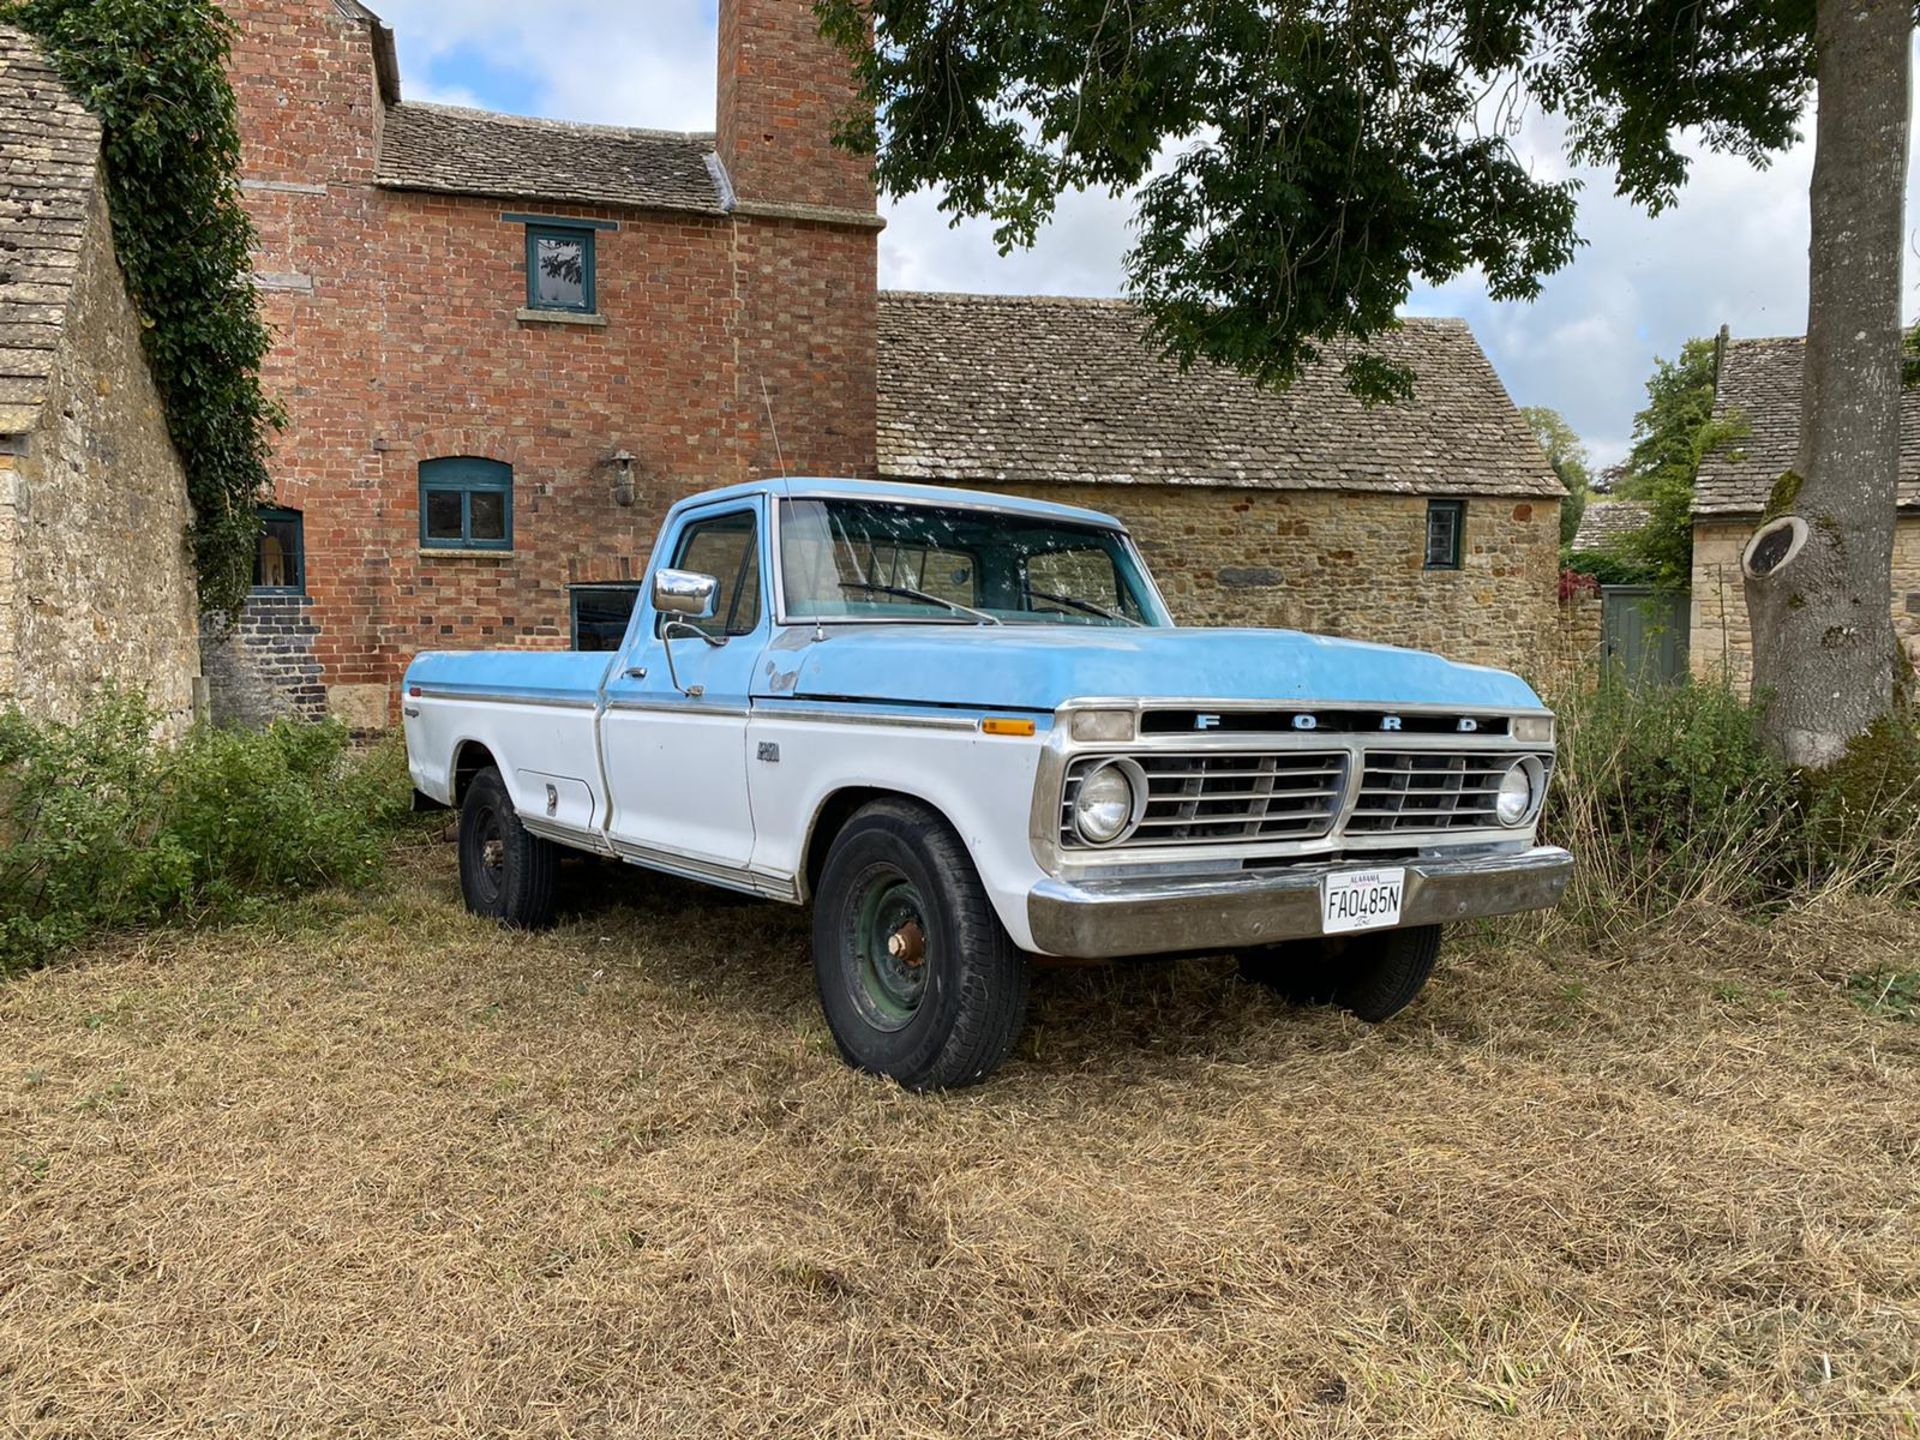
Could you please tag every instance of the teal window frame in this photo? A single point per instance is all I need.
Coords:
(1451, 560)
(581, 234)
(281, 515)
(467, 475)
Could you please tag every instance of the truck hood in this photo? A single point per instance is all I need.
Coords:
(1038, 668)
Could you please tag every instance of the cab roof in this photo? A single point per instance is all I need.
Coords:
(829, 487)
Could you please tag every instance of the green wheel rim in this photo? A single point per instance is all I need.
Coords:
(891, 951)
(490, 853)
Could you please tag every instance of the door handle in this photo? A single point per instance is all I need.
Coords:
(636, 672)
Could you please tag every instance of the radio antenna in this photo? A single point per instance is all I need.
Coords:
(779, 456)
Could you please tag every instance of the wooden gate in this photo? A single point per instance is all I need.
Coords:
(1644, 633)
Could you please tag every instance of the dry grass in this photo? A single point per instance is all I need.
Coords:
(382, 1171)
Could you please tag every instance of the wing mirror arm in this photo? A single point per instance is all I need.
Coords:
(683, 597)
(667, 634)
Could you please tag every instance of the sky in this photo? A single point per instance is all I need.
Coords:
(1732, 252)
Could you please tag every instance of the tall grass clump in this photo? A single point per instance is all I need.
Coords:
(102, 827)
(1668, 798)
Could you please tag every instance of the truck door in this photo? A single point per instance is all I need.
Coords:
(676, 753)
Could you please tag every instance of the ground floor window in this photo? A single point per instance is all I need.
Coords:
(280, 557)
(466, 504)
(1446, 523)
(600, 615)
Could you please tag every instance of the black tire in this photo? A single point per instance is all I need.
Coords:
(1375, 976)
(506, 873)
(919, 980)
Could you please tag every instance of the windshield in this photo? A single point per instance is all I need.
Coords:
(882, 560)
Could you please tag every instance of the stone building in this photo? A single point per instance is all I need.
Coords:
(1434, 523)
(508, 345)
(1759, 386)
(96, 577)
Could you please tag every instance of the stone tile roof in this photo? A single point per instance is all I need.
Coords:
(1761, 380)
(49, 159)
(1605, 521)
(474, 152)
(1031, 390)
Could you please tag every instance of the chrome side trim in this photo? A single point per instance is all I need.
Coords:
(730, 877)
(568, 835)
(678, 705)
(822, 715)
(486, 697)
(1106, 919)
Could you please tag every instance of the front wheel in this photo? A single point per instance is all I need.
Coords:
(1375, 976)
(506, 872)
(918, 978)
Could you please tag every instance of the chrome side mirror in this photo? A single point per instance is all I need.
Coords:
(686, 594)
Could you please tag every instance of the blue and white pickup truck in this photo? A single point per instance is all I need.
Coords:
(965, 728)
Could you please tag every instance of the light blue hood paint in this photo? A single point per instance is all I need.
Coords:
(1038, 668)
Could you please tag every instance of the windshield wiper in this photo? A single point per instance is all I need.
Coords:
(1086, 606)
(905, 593)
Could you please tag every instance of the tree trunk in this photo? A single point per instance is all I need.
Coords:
(1819, 571)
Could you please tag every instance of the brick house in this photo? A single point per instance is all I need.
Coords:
(96, 576)
(508, 345)
(1759, 386)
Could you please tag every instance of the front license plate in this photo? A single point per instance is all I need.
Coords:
(1361, 900)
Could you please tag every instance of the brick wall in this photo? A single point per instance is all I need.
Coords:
(398, 341)
(1347, 564)
(1722, 638)
(781, 91)
(96, 577)
(262, 667)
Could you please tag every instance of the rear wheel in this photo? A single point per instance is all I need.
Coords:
(918, 979)
(506, 873)
(1375, 976)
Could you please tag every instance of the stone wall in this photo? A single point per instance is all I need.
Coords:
(96, 577)
(1347, 564)
(1721, 636)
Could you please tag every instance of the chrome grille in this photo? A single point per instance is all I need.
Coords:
(1415, 790)
(1217, 798)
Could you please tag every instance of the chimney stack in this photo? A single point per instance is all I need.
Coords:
(783, 89)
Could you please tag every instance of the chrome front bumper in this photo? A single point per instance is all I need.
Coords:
(1106, 919)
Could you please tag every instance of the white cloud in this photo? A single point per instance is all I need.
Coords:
(1732, 251)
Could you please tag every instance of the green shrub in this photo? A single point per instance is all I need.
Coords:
(101, 827)
(1666, 796)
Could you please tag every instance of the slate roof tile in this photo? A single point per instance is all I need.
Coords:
(1041, 390)
(49, 162)
(473, 152)
(1760, 379)
(1605, 521)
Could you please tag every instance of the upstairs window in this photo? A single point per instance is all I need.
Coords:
(280, 557)
(560, 268)
(466, 504)
(1446, 527)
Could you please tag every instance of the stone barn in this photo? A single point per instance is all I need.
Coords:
(1759, 389)
(96, 577)
(1434, 524)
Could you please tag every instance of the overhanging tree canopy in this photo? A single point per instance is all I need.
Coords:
(1300, 164)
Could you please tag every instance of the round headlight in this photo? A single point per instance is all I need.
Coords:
(1103, 806)
(1515, 801)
